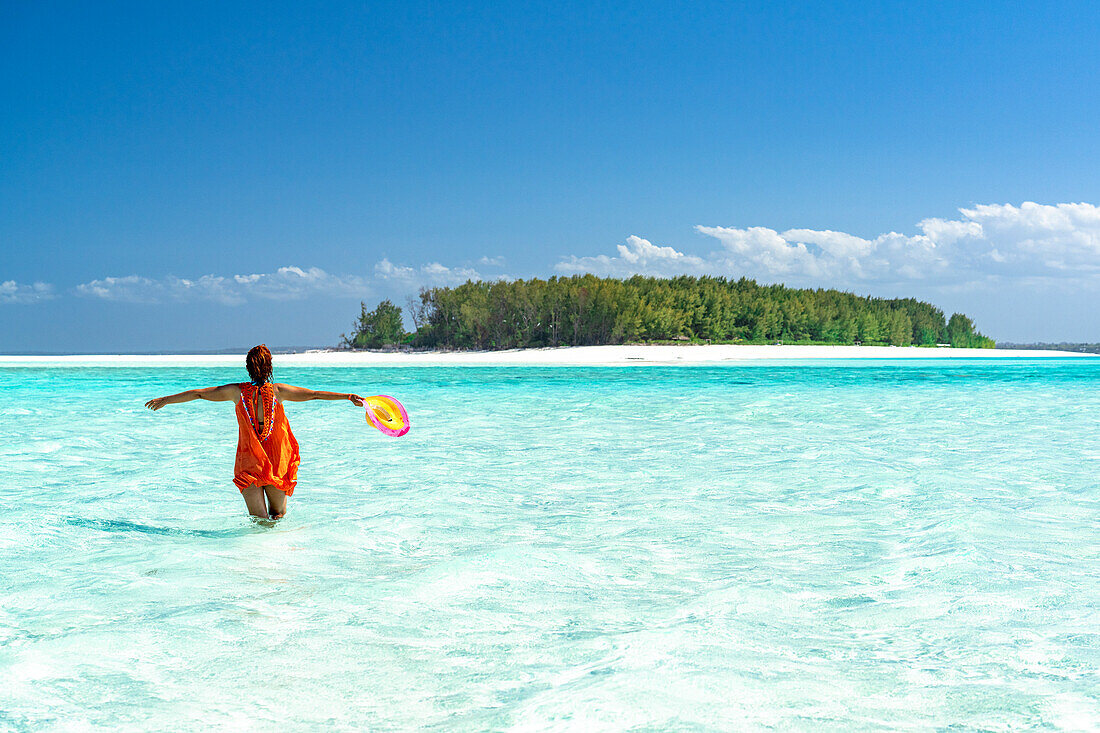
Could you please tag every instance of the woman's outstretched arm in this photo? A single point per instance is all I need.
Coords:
(290, 393)
(223, 393)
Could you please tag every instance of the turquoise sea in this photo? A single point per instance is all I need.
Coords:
(836, 545)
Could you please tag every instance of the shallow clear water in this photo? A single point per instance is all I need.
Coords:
(842, 545)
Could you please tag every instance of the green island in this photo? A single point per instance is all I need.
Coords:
(585, 310)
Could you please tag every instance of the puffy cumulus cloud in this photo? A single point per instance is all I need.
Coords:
(636, 256)
(284, 283)
(137, 289)
(429, 275)
(13, 292)
(763, 247)
(1031, 241)
(294, 282)
(823, 255)
(1039, 239)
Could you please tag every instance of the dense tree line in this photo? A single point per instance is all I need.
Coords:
(585, 310)
(380, 327)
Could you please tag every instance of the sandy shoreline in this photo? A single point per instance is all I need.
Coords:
(565, 356)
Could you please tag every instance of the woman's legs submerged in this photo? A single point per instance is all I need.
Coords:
(256, 502)
(276, 501)
(264, 502)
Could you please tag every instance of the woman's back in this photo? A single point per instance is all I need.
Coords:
(259, 406)
(267, 452)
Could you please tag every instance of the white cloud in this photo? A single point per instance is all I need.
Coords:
(1033, 238)
(987, 241)
(636, 256)
(764, 248)
(13, 292)
(285, 283)
(294, 282)
(137, 289)
(429, 275)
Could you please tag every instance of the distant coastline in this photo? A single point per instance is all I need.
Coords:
(1078, 348)
(276, 350)
(615, 355)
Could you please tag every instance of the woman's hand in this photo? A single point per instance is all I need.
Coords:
(356, 400)
(157, 403)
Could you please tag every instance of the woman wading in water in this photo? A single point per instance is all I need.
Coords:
(266, 469)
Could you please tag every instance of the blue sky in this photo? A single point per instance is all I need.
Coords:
(205, 176)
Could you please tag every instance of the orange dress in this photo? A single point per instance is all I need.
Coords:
(267, 455)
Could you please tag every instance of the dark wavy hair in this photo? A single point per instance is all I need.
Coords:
(258, 363)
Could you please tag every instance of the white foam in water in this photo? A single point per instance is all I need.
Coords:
(875, 545)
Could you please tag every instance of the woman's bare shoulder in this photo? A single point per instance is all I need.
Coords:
(283, 389)
(233, 389)
(291, 393)
(221, 393)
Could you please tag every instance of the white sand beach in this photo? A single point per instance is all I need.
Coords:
(564, 356)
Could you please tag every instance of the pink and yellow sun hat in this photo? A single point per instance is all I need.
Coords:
(387, 414)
